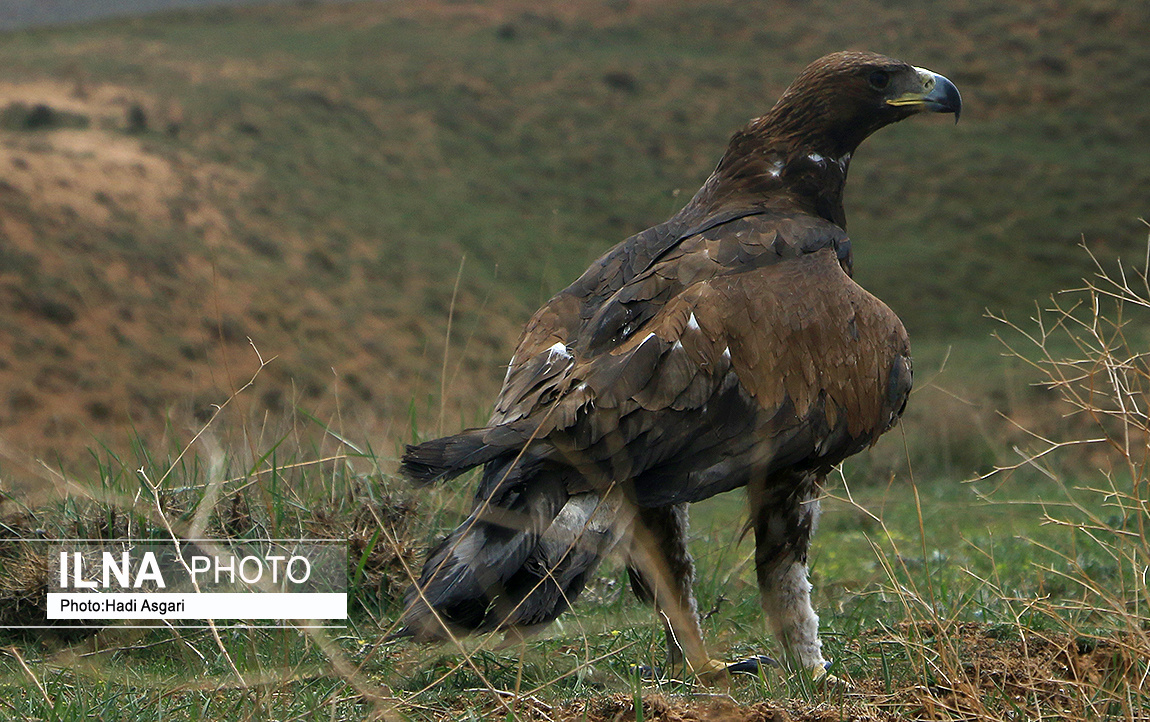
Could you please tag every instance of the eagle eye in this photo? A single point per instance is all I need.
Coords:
(879, 79)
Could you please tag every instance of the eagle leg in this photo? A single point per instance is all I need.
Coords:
(662, 574)
(784, 513)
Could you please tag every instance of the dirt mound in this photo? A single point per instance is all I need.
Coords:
(657, 708)
(713, 708)
(984, 669)
(130, 285)
(92, 163)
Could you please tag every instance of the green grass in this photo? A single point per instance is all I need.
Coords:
(981, 562)
(185, 675)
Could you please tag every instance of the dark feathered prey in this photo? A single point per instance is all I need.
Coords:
(726, 347)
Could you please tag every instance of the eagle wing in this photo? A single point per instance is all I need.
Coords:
(742, 348)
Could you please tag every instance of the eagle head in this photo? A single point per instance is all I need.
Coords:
(799, 151)
(841, 98)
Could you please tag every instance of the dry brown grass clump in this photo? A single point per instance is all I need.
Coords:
(983, 672)
(1083, 653)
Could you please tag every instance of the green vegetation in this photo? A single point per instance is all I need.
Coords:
(18, 116)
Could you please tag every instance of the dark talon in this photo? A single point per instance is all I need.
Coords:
(753, 665)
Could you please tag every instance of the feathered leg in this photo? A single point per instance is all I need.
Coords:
(662, 573)
(784, 512)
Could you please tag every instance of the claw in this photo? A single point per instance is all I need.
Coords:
(754, 665)
(823, 678)
(710, 671)
(714, 670)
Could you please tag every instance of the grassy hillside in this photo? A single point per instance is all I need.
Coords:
(316, 178)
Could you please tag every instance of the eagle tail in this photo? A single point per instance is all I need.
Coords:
(447, 458)
(518, 560)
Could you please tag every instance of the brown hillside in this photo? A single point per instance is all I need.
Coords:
(312, 177)
(138, 295)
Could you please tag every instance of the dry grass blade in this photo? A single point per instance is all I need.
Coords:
(31, 675)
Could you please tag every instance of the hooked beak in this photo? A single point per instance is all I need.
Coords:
(937, 94)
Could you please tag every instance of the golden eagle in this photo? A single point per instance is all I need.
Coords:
(726, 347)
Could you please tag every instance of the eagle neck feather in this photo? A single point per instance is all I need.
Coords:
(760, 167)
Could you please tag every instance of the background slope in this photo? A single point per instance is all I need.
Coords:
(315, 178)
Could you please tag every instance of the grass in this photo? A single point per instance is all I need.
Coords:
(870, 574)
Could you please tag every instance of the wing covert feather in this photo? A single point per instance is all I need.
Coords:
(737, 347)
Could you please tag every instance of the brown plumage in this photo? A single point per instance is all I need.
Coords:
(726, 347)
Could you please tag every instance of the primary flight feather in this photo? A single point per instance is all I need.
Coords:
(726, 347)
